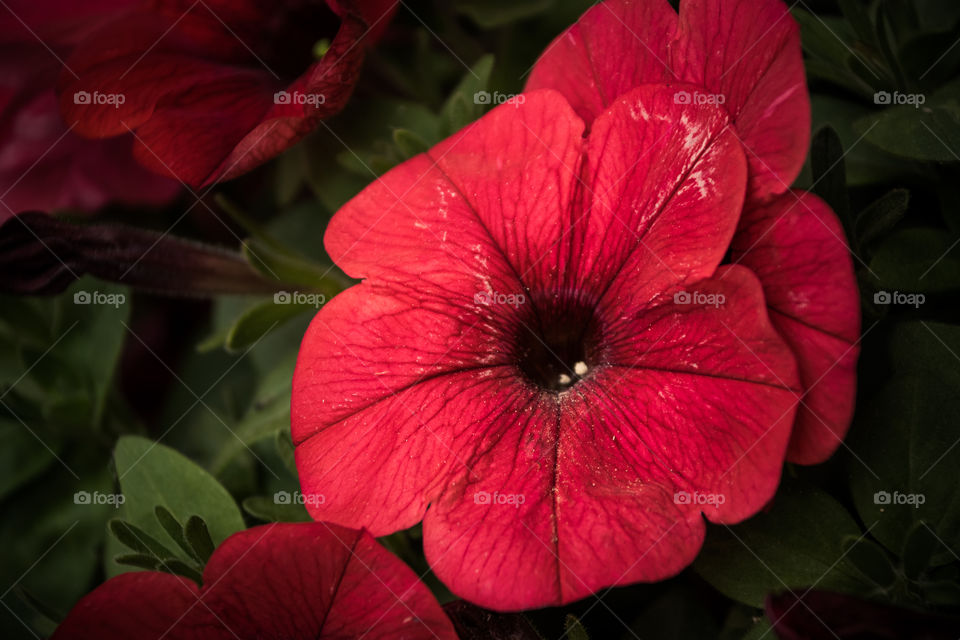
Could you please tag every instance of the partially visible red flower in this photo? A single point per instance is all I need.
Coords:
(42, 165)
(291, 581)
(543, 362)
(794, 244)
(746, 56)
(215, 88)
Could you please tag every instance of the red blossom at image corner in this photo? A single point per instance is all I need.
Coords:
(44, 166)
(543, 361)
(213, 89)
(745, 55)
(291, 581)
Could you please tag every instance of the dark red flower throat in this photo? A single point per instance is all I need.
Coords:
(557, 341)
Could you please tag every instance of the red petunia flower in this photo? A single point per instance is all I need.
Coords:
(543, 361)
(290, 581)
(746, 56)
(212, 89)
(42, 164)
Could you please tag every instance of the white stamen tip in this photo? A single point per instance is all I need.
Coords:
(580, 368)
(565, 379)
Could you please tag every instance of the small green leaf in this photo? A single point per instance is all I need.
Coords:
(178, 567)
(918, 549)
(263, 318)
(881, 216)
(139, 560)
(574, 628)
(409, 143)
(269, 510)
(285, 450)
(464, 106)
(829, 174)
(137, 539)
(287, 268)
(197, 535)
(173, 528)
(870, 559)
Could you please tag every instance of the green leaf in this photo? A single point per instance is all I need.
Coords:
(287, 268)
(139, 560)
(828, 40)
(22, 456)
(285, 450)
(197, 535)
(263, 318)
(173, 528)
(859, 19)
(925, 260)
(881, 216)
(179, 567)
(865, 164)
(409, 143)
(905, 439)
(137, 539)
(152, 474)
(574, 628)
(269, 510)
(463, 106)
(291, 174)
(797, 543)
(829, 174)
(870, 559)
(88, 329)
(269, 414)
(930, 131)
(918, 550)
(490, 14)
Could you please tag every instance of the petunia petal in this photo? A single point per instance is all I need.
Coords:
(317, 581)
(202, 107)
(796, 246)
(293, 581)
(747, 54)
(387, 401)
(137, 606)
(666, 189)
(482, 211)
(743, 54)
(615, 46)
(587, 490)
